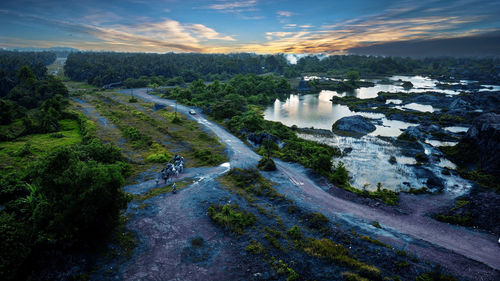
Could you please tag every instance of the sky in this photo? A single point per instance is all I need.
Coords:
(229, 26)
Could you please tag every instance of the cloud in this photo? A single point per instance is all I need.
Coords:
(285, 14)
(399, 23)
(232, 5)
(166, 35)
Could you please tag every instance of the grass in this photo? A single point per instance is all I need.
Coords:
(161, 190)
(255, 248)
(465, 220)
(17, 153)
(231, 217)
(375, 241)
(249, 184)
(338, 254)
(153, 136)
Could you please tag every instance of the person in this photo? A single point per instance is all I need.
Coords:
(174, 188)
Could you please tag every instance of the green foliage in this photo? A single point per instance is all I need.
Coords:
(231, 217)
(349, 276)
(316, 221)
(465, 220)
(295, 233)
(340, 175)
(170, 69)
(250, 183)
(422, 190)
(206, 157)
(81, 187)
(266, 164)
(338, 254)
(255, 248)
(375, 241)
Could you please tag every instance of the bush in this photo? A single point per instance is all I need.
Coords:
(231, 217)
(82, 198)
(266, 164)
(295, 233)
(255, 247)
(316, 221)
(340, 176)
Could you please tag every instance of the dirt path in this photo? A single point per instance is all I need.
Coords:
(295, 184)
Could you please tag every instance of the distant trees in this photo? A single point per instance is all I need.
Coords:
(137, 69)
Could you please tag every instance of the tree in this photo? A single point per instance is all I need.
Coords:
(352, 77)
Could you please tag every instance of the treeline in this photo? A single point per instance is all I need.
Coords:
(11, 61)
(238, 105)
(481, 69)
(104, 68)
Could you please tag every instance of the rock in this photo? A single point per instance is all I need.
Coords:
(482, 142)
(414, 132)
(459, 104)
(258, 139)
(432, 181)
(356, 124)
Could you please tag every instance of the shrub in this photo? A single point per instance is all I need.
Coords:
(295, 233)
(231, 217)
(255, 247)
(317, 221)
(266, 164)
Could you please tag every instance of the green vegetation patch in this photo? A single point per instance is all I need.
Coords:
(231, 217)
(250, 183)
(338, 254)
(15, 154)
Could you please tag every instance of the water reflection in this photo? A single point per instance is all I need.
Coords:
(417, 107)
(311, 111)
(421, 84)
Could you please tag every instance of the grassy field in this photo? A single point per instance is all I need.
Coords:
(150, 138)
(17, 154)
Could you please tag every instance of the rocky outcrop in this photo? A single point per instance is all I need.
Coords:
(483, 142)
(357, 125)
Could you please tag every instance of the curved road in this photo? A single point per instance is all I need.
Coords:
(474, 245)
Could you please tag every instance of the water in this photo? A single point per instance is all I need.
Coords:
(368, 162)
(417, 107)
(457, 129)
(311, 111)
(421, 84)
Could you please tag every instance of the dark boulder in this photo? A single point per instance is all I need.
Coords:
(356, 124)
(258, 139)
(482, 143)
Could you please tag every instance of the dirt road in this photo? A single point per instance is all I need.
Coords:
(413, 228)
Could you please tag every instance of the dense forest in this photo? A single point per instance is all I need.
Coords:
(11, 61)
(103, 68)
(60, 187)
(173, 69)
